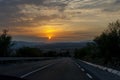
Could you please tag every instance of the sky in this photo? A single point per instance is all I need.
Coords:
(57, 20)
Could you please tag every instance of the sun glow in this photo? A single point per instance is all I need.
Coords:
(49, 37)
(49, 31)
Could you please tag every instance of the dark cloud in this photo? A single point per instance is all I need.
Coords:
(113, 7)
(117, 2)
(10, 12)
(104, 5)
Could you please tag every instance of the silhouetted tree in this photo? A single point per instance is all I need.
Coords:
(5, 43)
(105, 49)
(109, 43)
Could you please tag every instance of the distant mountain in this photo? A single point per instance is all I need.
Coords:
(63, 45)
(41, 45)
(19, 44)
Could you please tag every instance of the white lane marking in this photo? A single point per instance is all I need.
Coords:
(78, 65)
(27, 74)
(82, 69)
(89, 75)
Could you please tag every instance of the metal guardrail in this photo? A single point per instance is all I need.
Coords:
(116, 72)
(22, 59)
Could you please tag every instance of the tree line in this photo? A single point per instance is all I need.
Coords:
(105, 48)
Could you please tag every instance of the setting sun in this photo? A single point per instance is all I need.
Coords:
(49, 37)
(50, 31)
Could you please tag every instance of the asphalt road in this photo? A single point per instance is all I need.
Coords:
(57, 69)
(65, 69)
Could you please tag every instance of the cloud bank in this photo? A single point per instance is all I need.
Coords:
(67, 14)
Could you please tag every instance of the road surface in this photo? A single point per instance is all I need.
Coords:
(57, 69)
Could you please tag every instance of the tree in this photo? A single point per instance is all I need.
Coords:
(105, 50)
(5, 43)
(109, 43)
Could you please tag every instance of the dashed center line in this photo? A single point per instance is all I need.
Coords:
(79, 66)
(89, 75)
(82, 69)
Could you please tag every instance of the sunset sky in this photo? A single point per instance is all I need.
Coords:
(57, 20)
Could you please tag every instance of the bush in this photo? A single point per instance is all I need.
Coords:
(28, 52)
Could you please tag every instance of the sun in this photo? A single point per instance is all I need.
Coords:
(50, 31)
(49, 37)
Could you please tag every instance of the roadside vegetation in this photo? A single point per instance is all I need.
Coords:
(28, 52)
(5, 44)
(105, 48)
